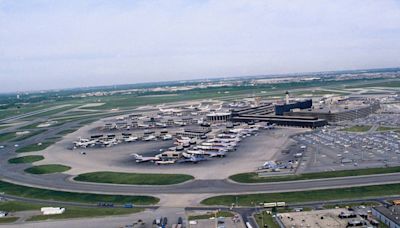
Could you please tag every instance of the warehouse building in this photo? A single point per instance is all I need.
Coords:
(388, 215)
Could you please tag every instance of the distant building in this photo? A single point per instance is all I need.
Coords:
(281, 109)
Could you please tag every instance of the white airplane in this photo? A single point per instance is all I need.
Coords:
(143, 125)
(167, 137)
(222, 140)
(150, 138)
(85, 143)
(170, 110)
(202, 152)
(131, 139)
(165, 162)
(183, 140)
(109, 143)
(140, 158)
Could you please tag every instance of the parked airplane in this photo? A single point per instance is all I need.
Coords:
(150, 138)
(140, 158)
(85, 143)
(167, 137)
(131, 139)
(165, 162)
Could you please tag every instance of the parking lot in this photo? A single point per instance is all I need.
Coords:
(332, 149)
(380, 119)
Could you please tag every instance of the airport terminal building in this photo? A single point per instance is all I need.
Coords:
(337, 113)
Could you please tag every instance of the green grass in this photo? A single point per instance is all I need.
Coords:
(307, 196)
(80, 212)
(14, 206)
(4, 126)
(254, 178)
(47, 169)
(66, 132)
(70, 212)
(357, 128)
(34, 147)
(45, 194)
(133, 178)
(264, 219)
(209, 215)
(7, 136)
(367, 203)
(29, 135)
(8, 220)
(26, 159)
(382, 128)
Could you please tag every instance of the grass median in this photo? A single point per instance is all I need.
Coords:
(254, 178)
(46, 194)
(26, 159)
(306, 196)
(70, 211)
(34, 147)
(47, 169)
(357, 128)
(133, 178)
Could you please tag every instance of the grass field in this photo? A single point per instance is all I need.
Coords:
(27, 136)
(13, 206)
(306, 196)
(357, 128)
(225, 214)
(47, 169)
(133, 178)
(7, 136)
(66, 132)
(34, 147)
(45, 194)
(80, 212)
(8, 220)
(382, 128)
(254, 178)
(264, 219)
(26, 159)
(70, 212)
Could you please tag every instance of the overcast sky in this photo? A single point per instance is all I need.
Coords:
(66, 43)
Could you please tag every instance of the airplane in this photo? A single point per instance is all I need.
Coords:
(140, 158)
(131, 139)
(222, 140)
(161, 125)
(85, 143)
(167, 137)
(170, 110)
(219, 153)
(165, 162)
(218, 144)
(193, 158)
(183, 140)
(150, 138)
(109, 143)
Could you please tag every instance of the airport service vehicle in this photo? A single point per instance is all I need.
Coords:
(275, 204)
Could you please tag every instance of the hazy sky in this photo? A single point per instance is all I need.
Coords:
(66, 43)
